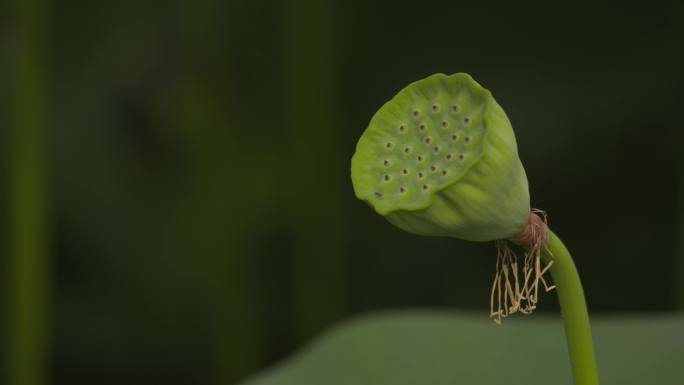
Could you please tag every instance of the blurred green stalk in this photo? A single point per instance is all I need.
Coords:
(677, 15)
(679, 253)
(206, 116)
(316, 202)
(678, 275)
(27, 262)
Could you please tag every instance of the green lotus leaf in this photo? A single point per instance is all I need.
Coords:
(430, 347)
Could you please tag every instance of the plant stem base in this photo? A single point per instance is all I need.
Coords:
(573, 310)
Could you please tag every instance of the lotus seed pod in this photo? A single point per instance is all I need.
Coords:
(441, 159)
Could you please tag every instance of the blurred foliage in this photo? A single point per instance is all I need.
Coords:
(26, 209)
(202, 218)
(441, 348)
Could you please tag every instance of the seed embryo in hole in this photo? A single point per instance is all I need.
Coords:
(421, 147)
(423, 127)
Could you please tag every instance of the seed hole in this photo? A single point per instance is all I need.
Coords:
(425, 187)
(386, 162)
(461, 157)
(435, 108)
(378, 194)
(404, 171)
(420, 175)
(454, 137)
(428, 140)
(466, 139)
(402, 190)
(407, 149)
(433, 167)
(388, 145)
(445, 124)
(454, 108)
(436, 148)
(422, 126)
(449, 157)
(467, 120)
(420, 158)
(416, 113)
(387, 177)
(402, 128)
(444, 172)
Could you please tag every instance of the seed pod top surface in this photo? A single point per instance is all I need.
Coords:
(440, 158)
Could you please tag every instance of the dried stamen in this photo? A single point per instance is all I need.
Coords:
(512, 293)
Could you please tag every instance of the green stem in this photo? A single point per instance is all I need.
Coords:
(574, 311)
(27, 205)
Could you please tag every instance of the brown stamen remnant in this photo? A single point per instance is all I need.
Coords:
(514, 291)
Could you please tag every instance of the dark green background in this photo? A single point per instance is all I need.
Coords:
(199, 213)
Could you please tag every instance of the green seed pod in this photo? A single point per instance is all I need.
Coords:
(441, 159)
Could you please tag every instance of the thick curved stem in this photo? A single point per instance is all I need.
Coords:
(573, 310)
